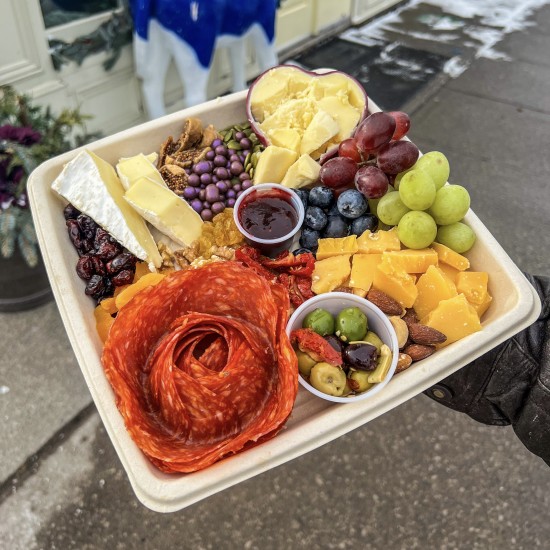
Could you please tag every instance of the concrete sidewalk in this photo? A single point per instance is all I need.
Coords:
(421, 476)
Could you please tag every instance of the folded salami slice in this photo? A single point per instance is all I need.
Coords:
(201, 366)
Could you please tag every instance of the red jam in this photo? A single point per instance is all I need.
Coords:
(268, 214)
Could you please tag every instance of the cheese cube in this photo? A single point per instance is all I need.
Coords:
(273, 164)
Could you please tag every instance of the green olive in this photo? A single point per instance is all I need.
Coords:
(351, 324)
(328, 379)
(305, 362)
(371, 338)
(360, 380)
(320, 321)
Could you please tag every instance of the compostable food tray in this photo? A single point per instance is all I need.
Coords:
(313, 421)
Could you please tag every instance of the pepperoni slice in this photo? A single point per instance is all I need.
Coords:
(201, 366)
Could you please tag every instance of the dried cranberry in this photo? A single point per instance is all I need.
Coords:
(95, 286)
(87, 226)
(126, 260)
(124, 277)
(108, 289)
(99, 266)
(85, 267)
(74, 233)
(108, 250)
(70, 212)
(102, 236)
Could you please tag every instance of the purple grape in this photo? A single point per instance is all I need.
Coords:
(210, 155)
(190, 193)
(206, 179)
(215, 179)
(245, 153)
(221, 172)
(236, 168)
(202, 194)
(202, 167)
(222, 186)
(234, 158)
(245, 143)
(212, 193)
(188, 171)
(216, 143)
(244, 176)
(206, 214)
(196, 205)
(237, 187)
(231, 194)
(231, 152)
(194, 180)
(205, 204)
(239, 193)
(239, 136)
(221, 150)
(247, 184)
(217, 207)
(230, 203)
(219, 160)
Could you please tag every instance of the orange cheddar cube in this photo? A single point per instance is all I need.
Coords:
(454, 317)
(412, 261)
(395, 283)
(379, 241)
(473, 284)
(330, 273)
(450, 271)
(450, 257)
(336, 247)
(432, 286)
(362, 270)
(482, 308)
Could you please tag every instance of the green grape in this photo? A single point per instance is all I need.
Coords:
(399, 177)
(417, 229)
(450, 205)
(417, 190)
(436, 165)
(391, 209)
(373, 205)
(457, 236)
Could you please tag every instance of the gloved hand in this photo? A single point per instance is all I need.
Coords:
(511, 383)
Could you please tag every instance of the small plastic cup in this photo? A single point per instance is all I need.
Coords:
(334, 302)
(270, 247)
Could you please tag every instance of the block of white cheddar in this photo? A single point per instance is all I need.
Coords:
(162, 208)
(321, 128)
(303, 172)
(132, 168)
(273, 164)
(91, 184)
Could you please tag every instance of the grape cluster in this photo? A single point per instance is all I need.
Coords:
(103, 263)
(331, 216)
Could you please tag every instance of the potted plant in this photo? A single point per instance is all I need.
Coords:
(29, 135)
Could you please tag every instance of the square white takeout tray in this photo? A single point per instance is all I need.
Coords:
(314, 421)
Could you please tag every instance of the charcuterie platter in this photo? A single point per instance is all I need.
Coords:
(227, 317)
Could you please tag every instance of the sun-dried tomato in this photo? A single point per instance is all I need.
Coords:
(248, 256)
(316, 346)
(301, 264)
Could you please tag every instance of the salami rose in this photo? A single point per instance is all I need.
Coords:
(201, 365)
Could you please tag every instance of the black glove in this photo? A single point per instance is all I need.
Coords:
(510, 384)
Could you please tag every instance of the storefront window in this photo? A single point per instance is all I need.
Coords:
(59, 12)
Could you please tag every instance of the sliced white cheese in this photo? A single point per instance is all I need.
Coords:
(132, 168)
(162, 208)
(320, 130)
(90, 184)
(303, 172)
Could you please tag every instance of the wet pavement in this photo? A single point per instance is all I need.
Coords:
(420, 476)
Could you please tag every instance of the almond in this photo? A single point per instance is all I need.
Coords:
(410, 317)
(386, 303)
(403, 362)
(422, 334)
(418, 352)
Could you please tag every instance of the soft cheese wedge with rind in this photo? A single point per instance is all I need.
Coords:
(91, 184)
(162, 208)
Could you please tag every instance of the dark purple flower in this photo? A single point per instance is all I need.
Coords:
(23, 135)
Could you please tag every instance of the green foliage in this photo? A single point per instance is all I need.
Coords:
(57, 133)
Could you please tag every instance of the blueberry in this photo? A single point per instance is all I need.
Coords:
(333, 210)
(321, 196)
(362, 223)
(303, 194)
(309, 238)
(336, 227)
(315, 218)
(352, 204)
(301, 251)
